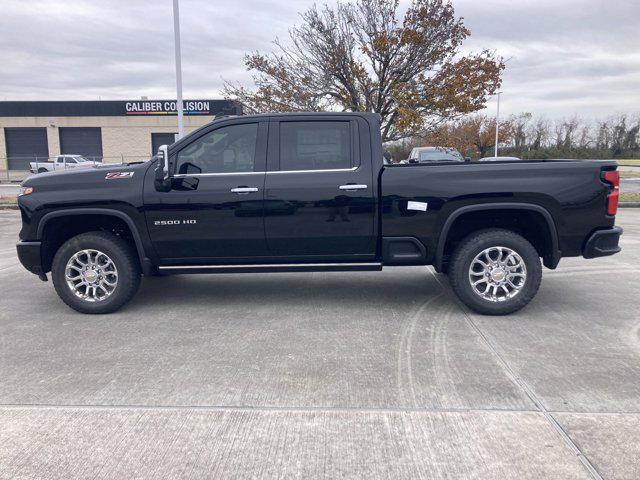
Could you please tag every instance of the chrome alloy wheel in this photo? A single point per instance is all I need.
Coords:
(497, 274)
(91, 275)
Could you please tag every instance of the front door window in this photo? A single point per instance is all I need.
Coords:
(228, 149)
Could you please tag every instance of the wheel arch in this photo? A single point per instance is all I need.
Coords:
(551, 255)
(97, 212)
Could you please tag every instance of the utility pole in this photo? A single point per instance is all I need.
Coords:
(176, 33)
(497, 124)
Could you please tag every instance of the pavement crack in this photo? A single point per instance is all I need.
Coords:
(257, 408)
(526, 389)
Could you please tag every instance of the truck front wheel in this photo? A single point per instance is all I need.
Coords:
(95, 272)
(495, 271)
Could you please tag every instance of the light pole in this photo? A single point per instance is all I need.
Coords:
(176, 33)
(497, 124)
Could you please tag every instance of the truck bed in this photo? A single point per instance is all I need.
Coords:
(570, 190)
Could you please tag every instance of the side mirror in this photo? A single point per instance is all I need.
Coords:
(186, 182)
(163, 172)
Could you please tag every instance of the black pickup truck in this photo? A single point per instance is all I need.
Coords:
(310, 192)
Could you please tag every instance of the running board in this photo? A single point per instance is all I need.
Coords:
(273, 267)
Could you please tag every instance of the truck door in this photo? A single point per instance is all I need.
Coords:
(214, 209)
(319, 198)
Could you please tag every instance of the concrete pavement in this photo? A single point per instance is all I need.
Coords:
(630, 185)
(323, 375)
(9, 189)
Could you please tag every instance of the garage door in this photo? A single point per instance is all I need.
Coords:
(158, 139)
(81, 141)
(25, 145)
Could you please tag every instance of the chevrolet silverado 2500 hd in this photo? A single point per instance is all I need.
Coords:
(309, 192)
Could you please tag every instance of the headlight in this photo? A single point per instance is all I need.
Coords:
(25, 191)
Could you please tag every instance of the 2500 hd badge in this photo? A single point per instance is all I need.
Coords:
(175, 222)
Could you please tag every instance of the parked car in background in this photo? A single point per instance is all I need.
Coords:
(434, 154)
(62, 162)
(498, 159)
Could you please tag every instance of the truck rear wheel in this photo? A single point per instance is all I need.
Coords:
(495, 272)
(95, 272)
(42, 170)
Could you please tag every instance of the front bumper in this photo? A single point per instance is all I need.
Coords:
(30, 258)
(602, 243)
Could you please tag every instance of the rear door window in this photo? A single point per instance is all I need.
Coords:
(315, 145)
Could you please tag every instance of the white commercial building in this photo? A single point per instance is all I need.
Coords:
(111, 131)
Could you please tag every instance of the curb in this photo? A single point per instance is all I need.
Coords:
(8, 207)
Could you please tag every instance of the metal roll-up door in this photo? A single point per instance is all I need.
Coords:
(25, 145)
(85, 141)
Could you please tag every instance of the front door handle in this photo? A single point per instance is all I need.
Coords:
(244, 190)
(352, 186)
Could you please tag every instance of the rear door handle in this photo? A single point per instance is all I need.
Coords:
(243, 190)
(352, 186)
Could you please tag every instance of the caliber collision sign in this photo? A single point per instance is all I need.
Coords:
(167, 107)
(118, 108)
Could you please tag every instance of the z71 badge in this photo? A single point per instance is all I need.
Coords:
(116, 175)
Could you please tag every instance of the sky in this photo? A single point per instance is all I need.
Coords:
(564, 57)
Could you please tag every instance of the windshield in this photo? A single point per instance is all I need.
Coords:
(438, 156)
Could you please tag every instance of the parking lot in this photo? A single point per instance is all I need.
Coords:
(333, 375)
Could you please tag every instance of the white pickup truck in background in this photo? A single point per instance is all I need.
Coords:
(62, 162)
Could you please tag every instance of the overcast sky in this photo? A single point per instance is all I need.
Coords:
(564, 57)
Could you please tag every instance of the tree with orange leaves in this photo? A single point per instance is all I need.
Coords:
(474, 135)
(362, 57)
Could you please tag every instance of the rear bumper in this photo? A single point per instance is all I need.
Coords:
(29, 256)
(602, 243)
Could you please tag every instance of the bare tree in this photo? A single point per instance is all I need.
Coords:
(539, 134)
(585, 136)
(570, 127)
(632, 140)
(602, 135)
(558, 130)
(618, 134)
(529, 137)
(362, 57)
(520, 124)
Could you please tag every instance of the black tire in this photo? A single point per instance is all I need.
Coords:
(121, 254)
(42, 170)
(473, 245)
